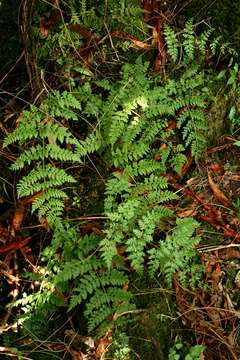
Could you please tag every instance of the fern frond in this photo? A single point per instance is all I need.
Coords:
(60, 104)
(204, 39)
(106, 303)
(189, 40)
(179, 160)
(55, 132)
(42, 178)
(90, 282)
(50, 193)
(175, 252)
(91, 144)
(39, 152)
(172, 42)
(27, 128)
(77, 267)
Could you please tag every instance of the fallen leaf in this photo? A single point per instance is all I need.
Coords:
(154, 37)
(182, 213)
(163, 146)
(157, 157)
(147, 9)
(78, 355)
(235, 177)
(87, 228)
(29, 199)
(44, 224)
(124, 35)
(171, 124)
(217, 168)
(218, 193)
(186, 166)
(216, 276)
(17, 220)
(103, 344)
(14, 245)
(229, 254)
(237, 280)
(4, 234)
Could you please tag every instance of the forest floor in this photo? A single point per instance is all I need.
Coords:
(208, 192)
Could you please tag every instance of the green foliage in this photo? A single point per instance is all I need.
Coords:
(189, 40)
(132, 117)
(187, 48)
(223, 16)
(179, 352)
(172, 42)
(17, 354)
(120, 15)
(102, 291)
(120, 347)
(79, 272)
(135, 220)
(61, 47)
(176, 251)
(46, 140)
(126, 124)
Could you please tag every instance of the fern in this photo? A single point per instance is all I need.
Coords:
(49, 140)
(172, 42)
(204, 39)
(105, 303)
(84, 7)
(134, 222)
(103, 291)
(189, 40)
(129, 127)
(126, 123)
(176, 251)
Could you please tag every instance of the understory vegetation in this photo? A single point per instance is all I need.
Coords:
(119, 196)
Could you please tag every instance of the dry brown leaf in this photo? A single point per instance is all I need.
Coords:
(186, 166)
(154, 37)
(29, 199)
(78, 355)
(147, 9)
(44, 224)
(124, 35)
(182, 213)
(4, 234)
(17, 220)
(235, 177)
(216, 276)
(217, 168)
(14, 245)
(171, 124)
(157, 157)
(235, 221)
(163, 146)
(237, 279)
(219, 195)
(229, 254)
(89, 227)
(103, 344)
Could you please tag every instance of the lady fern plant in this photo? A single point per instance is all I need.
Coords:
(47, 146)
(129, 128)
(132, 120)
(176, 252)
(78, 276)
